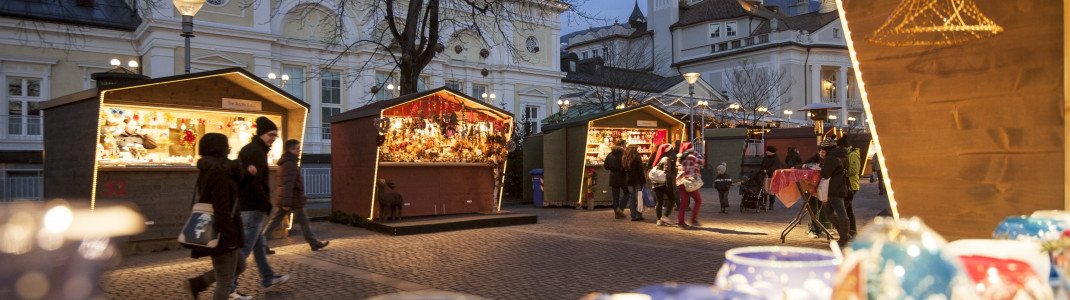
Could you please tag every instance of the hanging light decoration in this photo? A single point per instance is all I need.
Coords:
(934, 23)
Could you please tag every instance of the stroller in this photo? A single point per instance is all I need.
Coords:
(753, 193)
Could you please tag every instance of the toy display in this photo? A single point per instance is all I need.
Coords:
(441, 130)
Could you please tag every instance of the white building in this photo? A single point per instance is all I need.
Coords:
(49, 48)
(712, 37)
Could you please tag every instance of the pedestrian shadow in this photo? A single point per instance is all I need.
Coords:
(728, 231)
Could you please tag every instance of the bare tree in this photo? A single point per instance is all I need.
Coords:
(758, 91)
(623, 75)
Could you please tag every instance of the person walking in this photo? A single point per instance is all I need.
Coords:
(854, 165)
(617, 178)
(290, 196)
(769, 165)
(636, 177)
(834, 168)
(722, 184)
(217, 183)
(793, 159)
(663, 194)
(255, 199)
(670, 174)
(689, 165)
(879, 175)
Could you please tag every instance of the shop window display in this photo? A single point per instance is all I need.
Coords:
(437, 129)
(600, 142)
(143, 136)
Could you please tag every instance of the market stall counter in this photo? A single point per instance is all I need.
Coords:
(135, 142)
(576, 143)
(442, 151)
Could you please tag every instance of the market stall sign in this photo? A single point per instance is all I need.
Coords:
(238, 104)
(642, 123)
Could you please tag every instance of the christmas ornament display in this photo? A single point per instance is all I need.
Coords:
(437, 129)
(779, 272)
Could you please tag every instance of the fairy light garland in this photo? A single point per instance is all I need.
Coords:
(894, 206)
(934, 23)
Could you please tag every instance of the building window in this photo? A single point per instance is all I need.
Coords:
(715, 30)
(531, 119)
(24, 109)
(605, 52)
(722, 47)
(455, 85)
(296, 85)
(383, 80)
(331, 87)
(325, 117)
(478, 90)
(730, 28)
(836, 33)
(421, 83)
(736, 44)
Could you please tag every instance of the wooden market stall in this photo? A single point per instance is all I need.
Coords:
(576, 143)
(135, 142)
(444, 152)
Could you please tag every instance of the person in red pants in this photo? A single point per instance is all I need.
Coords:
(689, 167)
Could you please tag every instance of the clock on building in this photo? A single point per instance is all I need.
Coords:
(217, 2)
(533, 44)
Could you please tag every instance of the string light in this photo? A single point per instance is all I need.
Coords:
(934, 23)
(894, 206)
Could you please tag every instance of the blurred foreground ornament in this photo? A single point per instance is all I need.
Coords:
(779, 272)
(903, 259)
(54, 251)
(673, 291)
(934, 23)
(1002, 269)
(1030, 228)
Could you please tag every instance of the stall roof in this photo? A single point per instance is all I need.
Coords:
(238, 76)
(580, 114)
(375, 108)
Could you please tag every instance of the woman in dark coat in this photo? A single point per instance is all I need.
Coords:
(793, 159)
(217, 183)
(633, 166)
(770, 164)
(617, 178)
(834, 168)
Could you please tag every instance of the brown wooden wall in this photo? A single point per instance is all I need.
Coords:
(436, 190)
(70, 139)
(971, 133)
(353, 158)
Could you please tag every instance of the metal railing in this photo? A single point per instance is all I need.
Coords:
(21, 189)
(22, 127)
(317, 182)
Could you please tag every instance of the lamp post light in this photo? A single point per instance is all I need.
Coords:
(563, 105)
(788, 113)
(691, 79)
(188, 8)
(285, 78)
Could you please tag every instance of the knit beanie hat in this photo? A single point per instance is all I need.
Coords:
(213, 144)
(263, 125)
(722, 168)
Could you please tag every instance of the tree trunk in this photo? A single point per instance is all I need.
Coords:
(410, 78)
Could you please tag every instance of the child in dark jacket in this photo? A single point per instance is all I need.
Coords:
(723, 183)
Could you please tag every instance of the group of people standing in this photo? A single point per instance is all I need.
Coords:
(840, 164)
(224, 183)
(667, 171)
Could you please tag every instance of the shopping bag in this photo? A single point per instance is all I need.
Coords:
(823, 190)
(692, 183)
(648, 197)
(656, 175)
(640, 204)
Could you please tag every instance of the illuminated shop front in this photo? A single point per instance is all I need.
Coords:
(136, 142)
(443, 151)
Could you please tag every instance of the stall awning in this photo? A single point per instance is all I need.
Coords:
(593, 111)
(375, 108)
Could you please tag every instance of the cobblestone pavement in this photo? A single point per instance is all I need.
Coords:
(568, 254)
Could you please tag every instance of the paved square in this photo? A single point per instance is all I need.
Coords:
(568, 254)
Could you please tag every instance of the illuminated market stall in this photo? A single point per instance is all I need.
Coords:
(444, 152)
(136, 142)
(577, 141)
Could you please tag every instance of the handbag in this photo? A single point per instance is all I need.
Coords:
(648, 197)
(692, 183)
(823, 190)
(656, 175)
(200, 232)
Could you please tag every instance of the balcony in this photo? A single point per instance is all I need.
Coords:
(21, 127)
(740, 43)
(21, 189)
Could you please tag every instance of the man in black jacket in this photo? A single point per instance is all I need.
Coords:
(617, 178)
(769, 165)
(834, 168)
(255, 199)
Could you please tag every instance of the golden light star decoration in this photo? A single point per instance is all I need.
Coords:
(934, 23)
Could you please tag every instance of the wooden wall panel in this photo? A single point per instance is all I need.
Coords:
(971, 133)
(69, 151)
(353, 156)
(554, 161)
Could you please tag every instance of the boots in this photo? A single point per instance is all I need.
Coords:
(618, 214)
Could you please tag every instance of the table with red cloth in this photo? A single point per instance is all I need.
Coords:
(783, 184)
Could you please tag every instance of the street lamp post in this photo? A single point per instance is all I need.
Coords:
(188, 8)
(691, 79)
(285, 78)
(563, 105)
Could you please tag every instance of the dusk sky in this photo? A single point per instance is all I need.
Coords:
(603, 9)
